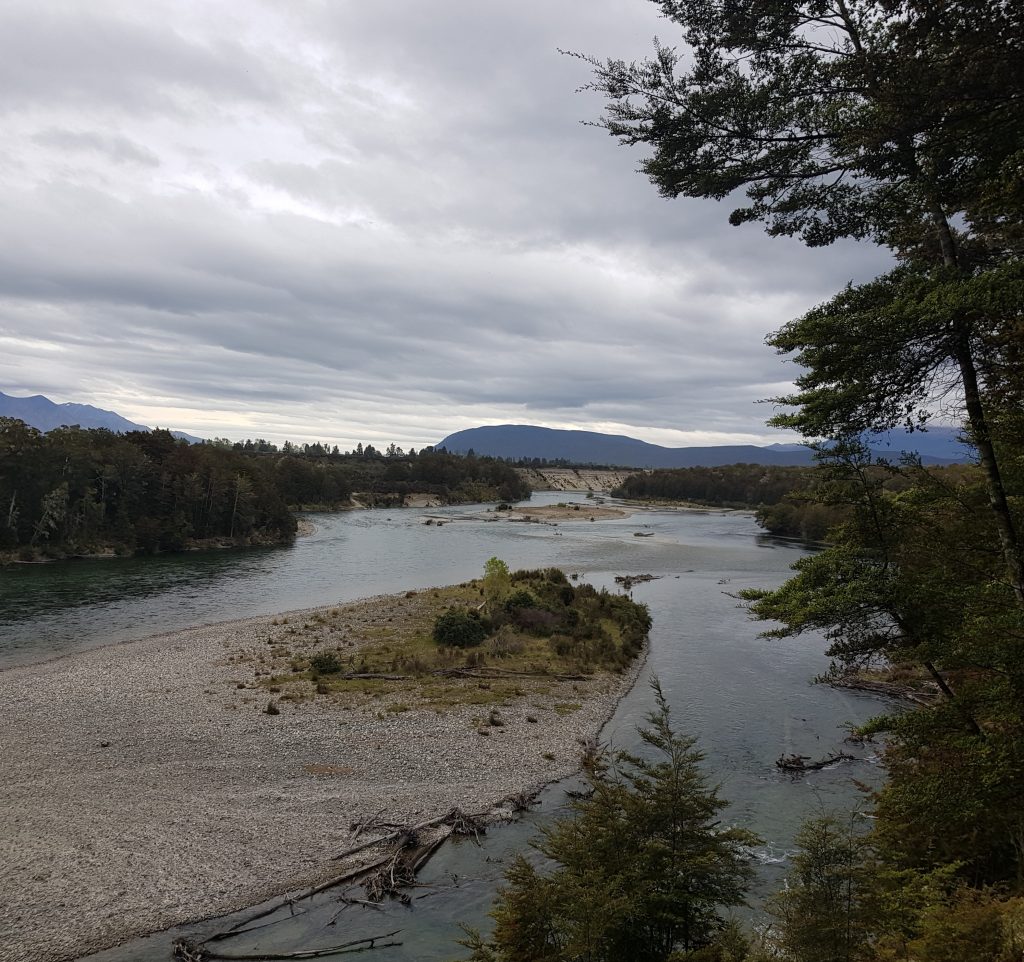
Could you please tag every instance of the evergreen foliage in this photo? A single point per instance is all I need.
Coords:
(72, 490)
(639, 871)
(582, 627)
(459, 628)
(901, 122)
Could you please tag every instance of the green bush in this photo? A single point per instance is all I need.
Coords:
(459, 628)
(520, 599)
(326, 663)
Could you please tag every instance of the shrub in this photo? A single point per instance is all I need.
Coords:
(536, 621)
(506, 643)
(459, 628)
(326, 663)
(520, 599)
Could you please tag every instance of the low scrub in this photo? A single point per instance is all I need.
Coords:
(459, 628)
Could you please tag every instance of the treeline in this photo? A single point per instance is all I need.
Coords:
(312, 477)
(730, 486)
(786, 499)
(789, 502)
(75, 491)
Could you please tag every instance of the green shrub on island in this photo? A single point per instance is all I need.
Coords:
(326, 663)
(520, 599)
(459, 628)
(545, 616)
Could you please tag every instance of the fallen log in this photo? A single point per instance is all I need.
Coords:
(802, 763)
(627, 581)
(381, 878)
(345, 948)
(242, 926)
(486, 672)
(372, 676)
(887, 688)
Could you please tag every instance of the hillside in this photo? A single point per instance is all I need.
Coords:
(44, 415)
(520, 441)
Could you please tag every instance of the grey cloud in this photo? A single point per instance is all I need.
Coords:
(93, 55)
(363, 221)
(119, 149)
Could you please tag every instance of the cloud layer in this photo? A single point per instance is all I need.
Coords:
(368, 222)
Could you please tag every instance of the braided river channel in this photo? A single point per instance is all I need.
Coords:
(747, 700)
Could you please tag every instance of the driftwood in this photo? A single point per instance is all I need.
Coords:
(373, 822)
(803, 763)
(346, 948)
(627, 581)
(182, 946)
(373, 676)
(381, 878)
(522, 801)
(488, 672)
(394, 834)
(400, 871)
(887, 688)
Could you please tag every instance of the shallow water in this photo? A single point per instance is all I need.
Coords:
(747, 700)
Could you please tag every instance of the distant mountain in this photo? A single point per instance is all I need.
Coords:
(938, 442)
(45, 415)
(590, 447)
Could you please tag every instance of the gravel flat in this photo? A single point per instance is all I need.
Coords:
(143, 785)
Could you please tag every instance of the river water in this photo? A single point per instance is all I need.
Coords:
(747, 700)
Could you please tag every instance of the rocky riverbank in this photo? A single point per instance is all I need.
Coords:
(146, 785)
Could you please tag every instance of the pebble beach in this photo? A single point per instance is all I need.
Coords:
(144, 785)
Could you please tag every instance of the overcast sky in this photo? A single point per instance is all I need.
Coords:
(353, 221)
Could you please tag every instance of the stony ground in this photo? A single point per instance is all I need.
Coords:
(144, 785)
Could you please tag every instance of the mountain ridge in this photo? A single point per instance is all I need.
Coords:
(44, 415)
(524, 441)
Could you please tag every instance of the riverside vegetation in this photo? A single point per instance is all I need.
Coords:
(74, 491)
(789, 502)
(899, 123)
(478, 643)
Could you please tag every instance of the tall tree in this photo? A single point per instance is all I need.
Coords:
(898, 121)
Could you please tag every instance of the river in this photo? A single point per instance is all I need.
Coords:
(746, 699)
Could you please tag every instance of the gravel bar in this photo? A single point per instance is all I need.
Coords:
(143, 787)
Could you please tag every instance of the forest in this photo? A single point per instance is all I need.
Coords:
(73, 491)
(805, 503)
(899, 124)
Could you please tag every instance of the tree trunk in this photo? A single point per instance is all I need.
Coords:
(1008, 538)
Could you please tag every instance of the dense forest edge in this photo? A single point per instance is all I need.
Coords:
(73, 492)
(804, 503)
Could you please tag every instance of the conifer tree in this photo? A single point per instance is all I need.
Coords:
(639, 870)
